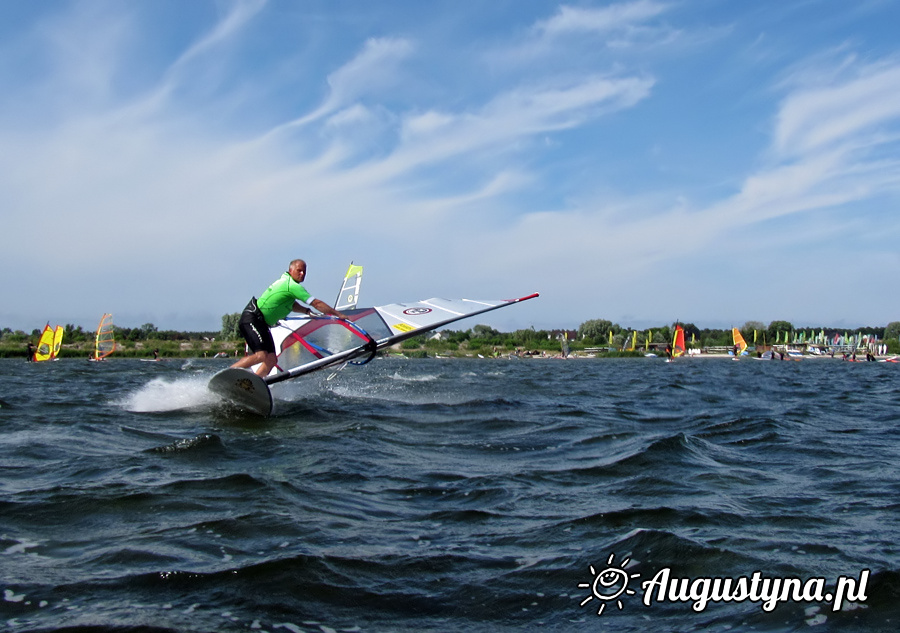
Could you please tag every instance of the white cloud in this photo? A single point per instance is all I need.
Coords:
(373, 70)
(224, 30)
(426, 124)
(518, 114)
(816, 118)
(614, 17)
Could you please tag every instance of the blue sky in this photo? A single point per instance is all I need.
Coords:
(641, 161)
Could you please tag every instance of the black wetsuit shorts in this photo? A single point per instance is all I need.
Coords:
(254, 329)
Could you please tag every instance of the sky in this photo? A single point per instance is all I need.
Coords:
(644, 161)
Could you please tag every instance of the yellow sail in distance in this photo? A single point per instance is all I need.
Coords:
(353, 270)
(45, 345)
(105, 341)
(57, 340)
(739, 341)
(349, 294)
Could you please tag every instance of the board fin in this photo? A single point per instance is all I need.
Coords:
(243, 388)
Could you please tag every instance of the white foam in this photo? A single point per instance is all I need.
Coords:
(170, 395)
(9, 596)
(20, 547)
(423, 378)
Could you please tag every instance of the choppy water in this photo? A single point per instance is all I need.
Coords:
(446, 495)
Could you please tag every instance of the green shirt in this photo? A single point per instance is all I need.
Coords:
(278, 299)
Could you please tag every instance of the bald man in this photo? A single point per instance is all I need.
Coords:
(279, 300)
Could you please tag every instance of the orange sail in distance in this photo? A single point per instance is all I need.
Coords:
(678, 347)
(739, 341)
(105, 340)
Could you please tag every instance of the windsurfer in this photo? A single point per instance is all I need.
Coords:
(280, 299)
(30, 351)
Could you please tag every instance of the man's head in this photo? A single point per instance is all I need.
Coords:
(297, 270)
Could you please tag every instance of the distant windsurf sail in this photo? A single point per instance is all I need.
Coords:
(349, 294)
(57, 340)
(678, 347)
(105, 340)
(45, 345)
(739, 341)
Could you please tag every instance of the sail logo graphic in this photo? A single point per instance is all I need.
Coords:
(608, 584)
(416, 311)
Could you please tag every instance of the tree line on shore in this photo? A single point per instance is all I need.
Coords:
(480, 339)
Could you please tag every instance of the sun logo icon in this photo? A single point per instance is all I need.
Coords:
(609, 584)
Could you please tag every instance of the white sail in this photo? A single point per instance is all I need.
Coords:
(303, 340)
(349, 295)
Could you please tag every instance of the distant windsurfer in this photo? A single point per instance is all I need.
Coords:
(30, 351)
(280, 299)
